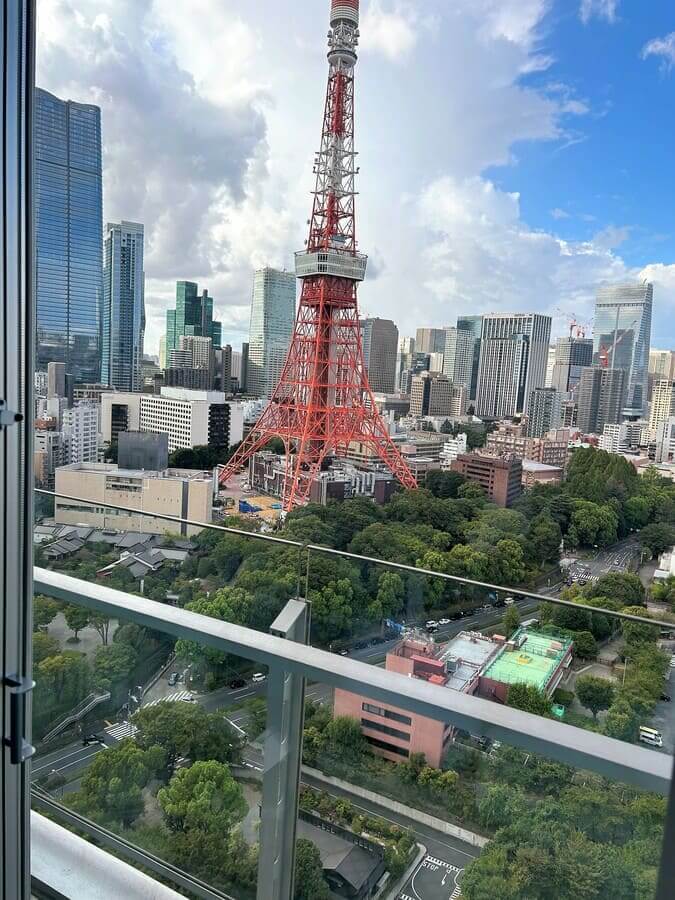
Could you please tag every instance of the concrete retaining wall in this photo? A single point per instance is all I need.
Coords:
(462, 834)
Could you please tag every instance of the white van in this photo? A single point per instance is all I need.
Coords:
(650, 736)
(258, 678)
(509, 601)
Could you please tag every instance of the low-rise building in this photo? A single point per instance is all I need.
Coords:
(182, 493)
(341, 481)
(529, 657)
(396, 733)
(500, 477)
(540, 473)
(452, 449)
(551, 449)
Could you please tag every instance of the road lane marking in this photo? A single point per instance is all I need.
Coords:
(50, 764)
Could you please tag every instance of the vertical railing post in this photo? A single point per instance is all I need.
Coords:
(666, 879)
(282, 763)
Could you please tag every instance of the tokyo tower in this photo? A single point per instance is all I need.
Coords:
(323, 401)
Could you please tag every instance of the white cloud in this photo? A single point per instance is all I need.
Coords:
(393, 32)
(663, 47)
(558, 214)
(600, 9)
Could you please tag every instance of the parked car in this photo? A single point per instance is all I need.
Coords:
(344, 652)
(444, 621)
(90, 739)
(173, 678)
(259, 677)
(237, 683)
(665, 697)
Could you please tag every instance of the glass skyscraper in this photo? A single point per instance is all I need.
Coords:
(474, 325)
(123, 306)
(622, 335)
(69, 235)
(192, 317)
(272, 321)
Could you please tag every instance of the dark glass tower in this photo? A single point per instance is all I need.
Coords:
(474, 325)
(69, 235)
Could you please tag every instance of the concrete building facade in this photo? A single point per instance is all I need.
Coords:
(431, 395)
(662, 405)
(380, 353)
(600, 398)
(500, 478)
(513, 355)
(571, 356)
(544, 411)
(182, 493)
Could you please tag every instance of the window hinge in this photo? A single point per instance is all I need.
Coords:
(7, 417)
(19, 748)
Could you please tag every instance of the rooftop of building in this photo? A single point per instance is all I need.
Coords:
(529, 465)
(530, 657)
(465, 655)
(91, 468)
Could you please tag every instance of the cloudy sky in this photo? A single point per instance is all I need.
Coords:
(514, 153)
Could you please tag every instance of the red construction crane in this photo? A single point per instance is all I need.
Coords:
(323, 401)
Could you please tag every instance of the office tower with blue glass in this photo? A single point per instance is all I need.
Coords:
(473, 325)
(272, 320)
(621, 338)
(68, 235)
(192, 317)
(123, 306)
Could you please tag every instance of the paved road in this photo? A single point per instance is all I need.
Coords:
(664, 716)
(69, 761)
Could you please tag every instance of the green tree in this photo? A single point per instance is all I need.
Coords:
(64, 678)
(114, 663)
(529, 698)
(332, 609)
(44, 646)
(544, 537)
(77, 618)
(204, 797)
(585, 645)
(657, 537)
(500, 805)
(102, 626)
(664, 591)
(635, 633)
(309, 530)
(389, 599)
(636, 511)
(112, 785)
(44, 610)
(511, 621)
(594, 693)
(345, 740)
(444, 485)
(472, 491)
(622, 588)
(593, 524)
(309, 881)
(186, 730)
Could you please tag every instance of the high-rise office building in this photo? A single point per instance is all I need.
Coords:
(272, 320)
(431, 395)
(572, 354)
(68, 235)
(662, 364)
(192, 365)
(662, 405)
(380, 349)
(600, 398)
(513, 354)
(550, 362)
(543, 411)
(243, 379)
(458, 356)
(123, 306)
(79, 429)
(622, 335)
(430, 340)
(474, 325)
(193, 316)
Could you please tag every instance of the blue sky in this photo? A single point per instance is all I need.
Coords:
(514, 154)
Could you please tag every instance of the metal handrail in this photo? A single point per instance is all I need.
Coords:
(401, 567)
(584, 749)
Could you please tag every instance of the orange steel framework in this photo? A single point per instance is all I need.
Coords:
(323, 401)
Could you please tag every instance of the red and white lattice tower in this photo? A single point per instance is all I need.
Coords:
(323, 401)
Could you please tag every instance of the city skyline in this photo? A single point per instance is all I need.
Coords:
(508, 216)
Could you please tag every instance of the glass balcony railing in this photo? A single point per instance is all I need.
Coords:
(445, 716)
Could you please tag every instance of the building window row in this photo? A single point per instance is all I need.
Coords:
(386, 713)
(390, 748)
(385, 729)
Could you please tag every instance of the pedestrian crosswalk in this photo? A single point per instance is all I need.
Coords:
(121, 730)
(186, 696)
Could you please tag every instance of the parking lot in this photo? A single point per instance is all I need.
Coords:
(434, 879)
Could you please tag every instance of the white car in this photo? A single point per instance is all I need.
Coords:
(672, 662)
(432, 623)
(444, 621)
(258, 677)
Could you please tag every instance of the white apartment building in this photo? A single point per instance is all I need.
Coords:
(665, 441)
(80, 430)
(189, 418)
(662, 405)
(452, 449)
(621, 437)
